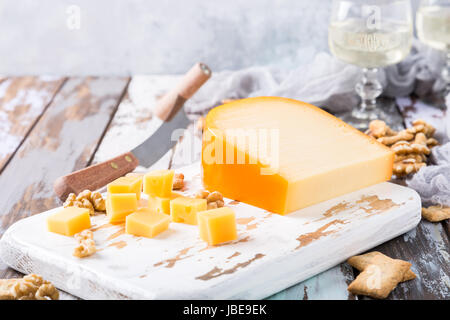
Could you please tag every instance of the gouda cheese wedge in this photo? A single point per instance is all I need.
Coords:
(283, 155)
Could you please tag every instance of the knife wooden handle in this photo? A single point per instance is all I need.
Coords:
(171, 102)
(96, 176)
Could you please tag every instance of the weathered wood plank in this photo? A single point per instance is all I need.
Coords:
(22, 101)
(63, 140)
(328, 285)
(427, 246)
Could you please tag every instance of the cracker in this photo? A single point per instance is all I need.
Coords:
(436, 213)
(379, 274)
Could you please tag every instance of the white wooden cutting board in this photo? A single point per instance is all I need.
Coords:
(272, 252)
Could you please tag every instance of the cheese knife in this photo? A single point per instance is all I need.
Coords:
(170, 110)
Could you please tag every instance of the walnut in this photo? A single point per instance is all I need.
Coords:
(98, 201)
(409, 158)
(215, 205)
(178, 181)
(411, 146)
(30, 287)
(403, 135)
(424, 127)
(86, 194)
(202, 194)
(47, 292)
(212, 205)
(402, 148)
(378, 129)
(214, 199)
(404, 168)
(71, 198)
(86, 244)
(85, 203)
(84, 249)
(86, 199)
(431, 142)
(419, 145)
(214, 196)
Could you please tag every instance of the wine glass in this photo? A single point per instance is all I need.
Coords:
(370, 34)
(433, 29)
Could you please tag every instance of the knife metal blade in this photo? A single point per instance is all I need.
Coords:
(152, 149)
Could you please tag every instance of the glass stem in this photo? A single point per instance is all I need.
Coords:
(369, 89)
(446, 72)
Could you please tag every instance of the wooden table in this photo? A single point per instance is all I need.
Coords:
(50, 126)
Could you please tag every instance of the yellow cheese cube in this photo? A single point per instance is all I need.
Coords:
(69, 221)
(131, 184)
(161, 204)
(119, 205)
(185, 210)
(146, 223)
(158, 183)
(217, 225)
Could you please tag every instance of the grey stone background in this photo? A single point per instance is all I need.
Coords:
(118, 37)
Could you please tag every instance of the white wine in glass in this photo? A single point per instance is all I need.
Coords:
(370, 34)
(352, 42)
(433, 29)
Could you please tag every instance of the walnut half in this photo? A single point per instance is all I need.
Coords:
(86, 199)
(411, 146)
(86, 244)
(30, 287)
(214, 199)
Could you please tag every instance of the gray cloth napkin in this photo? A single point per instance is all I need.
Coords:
(433, 182)
(324, 81)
